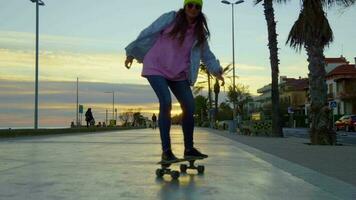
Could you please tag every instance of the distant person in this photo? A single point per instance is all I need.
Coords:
(171, 49)
(154, 121)
(99, 124)
(89, 117)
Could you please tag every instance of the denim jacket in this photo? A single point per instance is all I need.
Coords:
(147, 38)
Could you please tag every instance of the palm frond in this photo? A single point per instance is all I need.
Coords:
(277, 1)
(342, 3)
(197, 89)
(311, 26)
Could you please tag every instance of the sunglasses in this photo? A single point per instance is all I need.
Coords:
(192, 5)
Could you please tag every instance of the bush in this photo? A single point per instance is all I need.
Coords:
(256, 128)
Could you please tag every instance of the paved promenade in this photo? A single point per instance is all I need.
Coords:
(121, 165)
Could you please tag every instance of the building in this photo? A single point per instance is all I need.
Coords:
(293, 93)
(341, 82)
(265, 98)
(332, 63)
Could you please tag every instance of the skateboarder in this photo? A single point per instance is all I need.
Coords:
(154, 121)
(171, 49)
(89, 117)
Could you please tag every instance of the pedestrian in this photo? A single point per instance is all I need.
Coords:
(89, 117)
(154, 121)
(171, 49)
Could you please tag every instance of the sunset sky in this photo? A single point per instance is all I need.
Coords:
(86, 39)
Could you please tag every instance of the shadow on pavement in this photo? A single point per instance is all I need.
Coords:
(186, 187)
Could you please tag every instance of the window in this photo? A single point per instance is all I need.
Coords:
(330, 88)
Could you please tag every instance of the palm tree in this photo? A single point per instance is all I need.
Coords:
(226, 70)
(240, 96)
(274, 61)
(206, 76)
(313, 32)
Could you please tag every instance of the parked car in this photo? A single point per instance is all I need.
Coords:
(346, 122)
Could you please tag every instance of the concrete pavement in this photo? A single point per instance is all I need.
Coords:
(121, 165)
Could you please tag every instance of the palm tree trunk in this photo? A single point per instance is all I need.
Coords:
(216, 91)
(209, 92)
(210, 102)
(321, 132)
(273, 49)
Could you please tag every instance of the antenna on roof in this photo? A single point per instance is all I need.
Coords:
(342, 50)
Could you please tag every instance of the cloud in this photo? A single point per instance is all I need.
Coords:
(244, 67)
(57, 101)
(25, 41)
(295, 70)
(66, 66)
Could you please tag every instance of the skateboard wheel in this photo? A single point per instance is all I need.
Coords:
(159, 173)
(175, 174)
(201, 169)
(183, 168)
(166, 165)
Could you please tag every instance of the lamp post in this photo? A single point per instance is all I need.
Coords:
(233, 52)
(113, 103)
(38, 4)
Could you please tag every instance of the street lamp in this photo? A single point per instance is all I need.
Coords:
(38, 4)
(113, 103)
(233, 51)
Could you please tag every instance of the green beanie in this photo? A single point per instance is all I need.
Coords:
(198, 2)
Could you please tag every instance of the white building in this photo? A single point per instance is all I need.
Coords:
(341, 82)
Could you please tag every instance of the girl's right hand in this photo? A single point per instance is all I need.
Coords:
(128, 61)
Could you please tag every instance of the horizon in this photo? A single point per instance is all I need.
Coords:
(86, 40)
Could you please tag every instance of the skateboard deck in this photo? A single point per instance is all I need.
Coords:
(179, 160)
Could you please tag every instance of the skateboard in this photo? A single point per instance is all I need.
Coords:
(165, 168)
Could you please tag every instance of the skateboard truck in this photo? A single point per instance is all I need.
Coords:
(199, 168)
(160, 172)
(165, 170)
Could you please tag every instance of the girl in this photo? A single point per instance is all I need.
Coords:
(171, 49)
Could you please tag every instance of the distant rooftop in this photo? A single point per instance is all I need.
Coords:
(296, 84)
(346, 71)
(341, 59)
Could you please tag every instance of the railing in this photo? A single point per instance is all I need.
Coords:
(330, 96)
(347, 94)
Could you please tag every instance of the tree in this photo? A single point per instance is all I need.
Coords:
(226, 70)
(206, 76)
(126, 117)
(225, 111)
(177, 119)
(313, 32)
(274, 61)
(138, 119)
(240, 96)
(201, 106)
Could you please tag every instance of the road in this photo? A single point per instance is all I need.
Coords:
(121, 165)
(345, 138)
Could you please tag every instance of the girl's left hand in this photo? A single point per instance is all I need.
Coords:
(221, 78)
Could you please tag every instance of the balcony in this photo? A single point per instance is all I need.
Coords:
(347, 95)
(330, 96)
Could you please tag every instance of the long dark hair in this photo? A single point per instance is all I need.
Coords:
(201, 31)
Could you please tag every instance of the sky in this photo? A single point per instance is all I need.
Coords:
(86, 39)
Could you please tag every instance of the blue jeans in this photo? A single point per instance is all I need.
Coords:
(183, 93)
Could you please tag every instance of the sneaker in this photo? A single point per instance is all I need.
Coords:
(169, 157)
(194, 154)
